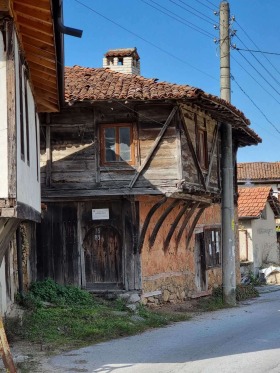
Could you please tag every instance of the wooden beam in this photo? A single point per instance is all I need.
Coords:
(11, 110)
(175, 224)
(43, 61)
(154, 147)
(195, 220)
(8, 228)
(37, 36)
(30, 48)
(31, 7)
(161, 221)
(147, 222)
(5, 350)
(214, 146)
(37, 43)
(185, 221)
(45, 107)
(193, 153)
(34, 23)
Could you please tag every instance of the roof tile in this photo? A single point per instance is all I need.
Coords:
(252, 201)
(258, 171)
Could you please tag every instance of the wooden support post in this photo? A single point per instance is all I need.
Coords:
(5, 350)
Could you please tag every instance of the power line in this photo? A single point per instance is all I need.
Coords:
(255, 51)
(209, 2)
(268, 72)
(271, 86)
(189, 11)
(185, 22)
(145, 40)
(255, 80)
(206, 6)
(256, 106)
(257, 47)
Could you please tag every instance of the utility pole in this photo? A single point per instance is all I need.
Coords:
(228, 239)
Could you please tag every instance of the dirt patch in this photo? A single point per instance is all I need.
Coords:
(188, 306)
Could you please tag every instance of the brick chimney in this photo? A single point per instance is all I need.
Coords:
(124, 60)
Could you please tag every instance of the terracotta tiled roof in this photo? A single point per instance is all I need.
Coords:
(262, 171)
(124, 52)
(252, 201)
(100, 84)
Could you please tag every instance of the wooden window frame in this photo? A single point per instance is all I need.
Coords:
(201, 143)
(116, 126)
(212, 247)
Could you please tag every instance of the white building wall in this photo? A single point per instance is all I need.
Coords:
(3, 124)
(246, 248)
(264, 240)
(28, 177)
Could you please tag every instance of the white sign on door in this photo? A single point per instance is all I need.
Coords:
(100, 214)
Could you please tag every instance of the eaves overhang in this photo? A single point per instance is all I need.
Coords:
(35, 26)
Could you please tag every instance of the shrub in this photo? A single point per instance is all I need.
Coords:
(52, 292)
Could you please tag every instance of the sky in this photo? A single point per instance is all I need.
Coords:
(178, 42)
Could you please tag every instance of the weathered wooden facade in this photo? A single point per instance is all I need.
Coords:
(129, 168)
(30, 82)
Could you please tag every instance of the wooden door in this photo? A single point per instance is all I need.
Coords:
(201, 281)
(103, 256)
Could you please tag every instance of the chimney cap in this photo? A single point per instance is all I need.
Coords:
(123, 52)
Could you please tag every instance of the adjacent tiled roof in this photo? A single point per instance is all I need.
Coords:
(262, 171)
(100, 84)
(252, 201)
(124, 52)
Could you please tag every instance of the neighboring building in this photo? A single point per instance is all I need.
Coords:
(257, 210)
(30, 82)
(131, 182)
(261, 174)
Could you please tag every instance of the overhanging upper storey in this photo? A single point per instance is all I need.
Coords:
(41, 47)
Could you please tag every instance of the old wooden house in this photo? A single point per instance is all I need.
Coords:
(31, 79)
(130, 172)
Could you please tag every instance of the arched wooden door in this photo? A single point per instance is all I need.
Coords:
(103, 256)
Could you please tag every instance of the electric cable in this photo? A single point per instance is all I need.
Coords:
(256, 106)
(185, 22)
(248, 36)
(146, 41)
(189, 11)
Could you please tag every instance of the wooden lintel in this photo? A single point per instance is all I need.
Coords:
(175, 224)
(161, 221)
(193, 153)
(214, 146)
(154, 147)
(147, 222)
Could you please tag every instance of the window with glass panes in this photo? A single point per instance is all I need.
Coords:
(117, 143)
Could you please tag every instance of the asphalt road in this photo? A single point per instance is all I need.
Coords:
(243, 339)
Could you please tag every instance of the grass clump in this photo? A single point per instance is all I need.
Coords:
(56, 294)
(215, 302)
(66, 317)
